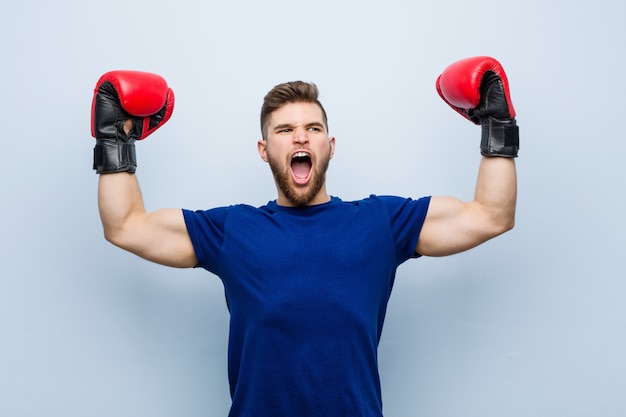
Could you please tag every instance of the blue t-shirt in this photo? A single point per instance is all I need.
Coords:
(307, 290)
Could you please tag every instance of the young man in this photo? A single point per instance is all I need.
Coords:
(308, 276)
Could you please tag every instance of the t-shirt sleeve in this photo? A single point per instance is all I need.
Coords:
(206, 230)
(406, 217)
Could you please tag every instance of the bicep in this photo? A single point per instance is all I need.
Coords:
(452, 226)
(160, 236)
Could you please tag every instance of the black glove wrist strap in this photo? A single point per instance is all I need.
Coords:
(499, 138)
(111, 156)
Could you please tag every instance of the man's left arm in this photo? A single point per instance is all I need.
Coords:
(477, 88)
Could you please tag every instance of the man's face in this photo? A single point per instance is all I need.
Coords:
(298, 150)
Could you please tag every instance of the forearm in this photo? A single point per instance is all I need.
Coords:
(119, 197)
(496, 192)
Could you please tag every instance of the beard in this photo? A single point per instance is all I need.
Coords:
(284, 183)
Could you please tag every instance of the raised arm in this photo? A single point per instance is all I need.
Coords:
(477, 88)
(129, 106)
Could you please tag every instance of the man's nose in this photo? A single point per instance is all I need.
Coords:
(301, 136)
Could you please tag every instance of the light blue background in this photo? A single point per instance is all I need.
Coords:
(530, 324)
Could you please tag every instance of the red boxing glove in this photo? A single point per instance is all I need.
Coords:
(119, 96)
(478, 89)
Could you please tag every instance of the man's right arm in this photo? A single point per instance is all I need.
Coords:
(160, 236)
(129, 106)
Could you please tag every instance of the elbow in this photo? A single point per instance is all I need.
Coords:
(112, 235)
(499, 222)
(510, 225)
(510, 220)
(504, 224)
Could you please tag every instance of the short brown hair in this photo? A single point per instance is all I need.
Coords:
(289, 92)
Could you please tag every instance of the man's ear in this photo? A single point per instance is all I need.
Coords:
(262, 148)
(331, 141)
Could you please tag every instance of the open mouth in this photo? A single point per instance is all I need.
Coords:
(301, 167)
